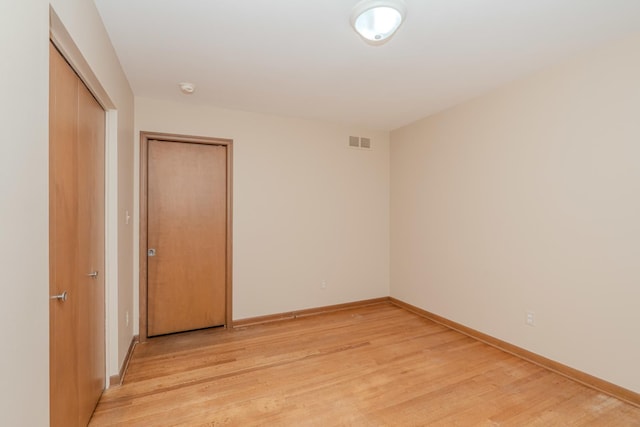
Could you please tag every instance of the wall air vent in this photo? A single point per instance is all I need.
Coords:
(360, 142)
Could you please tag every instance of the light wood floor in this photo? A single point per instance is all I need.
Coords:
(371, 366)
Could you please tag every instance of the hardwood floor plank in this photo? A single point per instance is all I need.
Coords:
(367, 366)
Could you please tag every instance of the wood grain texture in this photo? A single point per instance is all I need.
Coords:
(574, 374)
(378, 365)
(63, 241)
(186, 215)
(90, 234)
(145, 138)
(76, 239)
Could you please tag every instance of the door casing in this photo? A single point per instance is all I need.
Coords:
(145, 137)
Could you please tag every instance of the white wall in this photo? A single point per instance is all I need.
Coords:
(528, 199)
(306, 207)
(24, 218)
(24, 306)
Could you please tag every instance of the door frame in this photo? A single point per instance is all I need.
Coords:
(145, 137)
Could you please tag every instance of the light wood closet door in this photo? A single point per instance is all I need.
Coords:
(76, 242)
(91, 232)
(186, 230)
(63, 253)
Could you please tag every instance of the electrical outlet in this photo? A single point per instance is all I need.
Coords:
(530, 318)
(323, 285)
(126, 318)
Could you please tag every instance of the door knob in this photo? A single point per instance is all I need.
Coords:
(151, 252)
(93, 274)
(62, 297)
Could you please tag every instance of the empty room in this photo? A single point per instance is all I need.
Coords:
(320, 213)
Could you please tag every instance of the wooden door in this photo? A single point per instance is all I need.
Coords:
(91, 232)
(76, 243)
(186, 232)
(63, 253)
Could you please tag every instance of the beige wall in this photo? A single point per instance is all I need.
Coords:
(528, 199)
(24, 219)
(24, 258)
(524, 199)
(306, 207)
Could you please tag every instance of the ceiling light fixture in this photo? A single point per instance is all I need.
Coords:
(377, 20)
(187, 88)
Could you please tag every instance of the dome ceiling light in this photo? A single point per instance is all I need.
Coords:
(187, 88)
(377, 20)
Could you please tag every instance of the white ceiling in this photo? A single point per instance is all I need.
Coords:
(301, 58)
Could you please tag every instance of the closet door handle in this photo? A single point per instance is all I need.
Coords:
(93, 274)
(62, 297)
